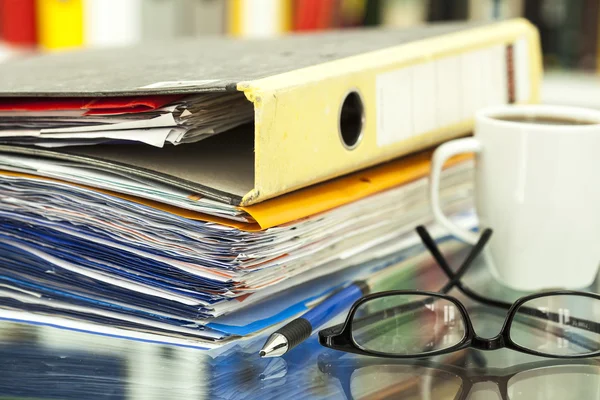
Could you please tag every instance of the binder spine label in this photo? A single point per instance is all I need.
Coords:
(521, 67)
(422, 98)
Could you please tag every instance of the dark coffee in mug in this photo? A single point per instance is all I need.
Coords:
(543, 120)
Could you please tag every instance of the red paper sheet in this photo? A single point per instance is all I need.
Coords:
(103, 105)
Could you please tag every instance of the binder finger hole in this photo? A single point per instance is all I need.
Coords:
(352, 118)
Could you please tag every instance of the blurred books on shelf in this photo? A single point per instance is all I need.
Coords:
(60, 24)
(50, 25)
(18, 23)
(402, 13)
(114, 22)
(568, 30)
(207, 17)
(18, 30)
(258, 18)
(489, 10)
(165, 20)
(118, 22)
(448, 10)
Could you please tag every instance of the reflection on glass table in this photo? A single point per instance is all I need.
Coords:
(40, 362)
(379, 379)
(467, 374)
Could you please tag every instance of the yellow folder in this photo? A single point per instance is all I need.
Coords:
(323, 105)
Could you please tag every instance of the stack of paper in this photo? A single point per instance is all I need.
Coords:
(85, 256)
(156, 120)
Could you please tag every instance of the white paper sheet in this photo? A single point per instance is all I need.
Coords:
(82, 326)
(153, 136)
(156, 122)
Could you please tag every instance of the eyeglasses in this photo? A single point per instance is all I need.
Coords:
(557, 379)
(415, 323)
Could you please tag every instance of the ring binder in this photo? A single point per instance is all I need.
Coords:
(403, 91)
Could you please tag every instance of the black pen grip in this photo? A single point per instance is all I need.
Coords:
(296, 332)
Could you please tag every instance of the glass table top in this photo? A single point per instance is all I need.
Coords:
(42, 362)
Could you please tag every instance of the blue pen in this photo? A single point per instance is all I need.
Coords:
(296, 331)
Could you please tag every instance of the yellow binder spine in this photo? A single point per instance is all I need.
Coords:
(60, 23)
(403, 99)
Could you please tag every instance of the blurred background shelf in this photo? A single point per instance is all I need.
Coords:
(81, 22)
(569, 29)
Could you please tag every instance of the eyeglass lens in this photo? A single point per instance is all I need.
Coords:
(566, 325)
(407, 324)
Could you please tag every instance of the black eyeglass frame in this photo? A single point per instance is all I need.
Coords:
(343, 340)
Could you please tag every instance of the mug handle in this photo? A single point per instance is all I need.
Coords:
(440, 156)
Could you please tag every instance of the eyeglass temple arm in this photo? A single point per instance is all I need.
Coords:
(455, 277)
(428, 241)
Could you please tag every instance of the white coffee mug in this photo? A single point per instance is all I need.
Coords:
(537, 186)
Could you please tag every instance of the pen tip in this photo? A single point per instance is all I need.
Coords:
(276, 345)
